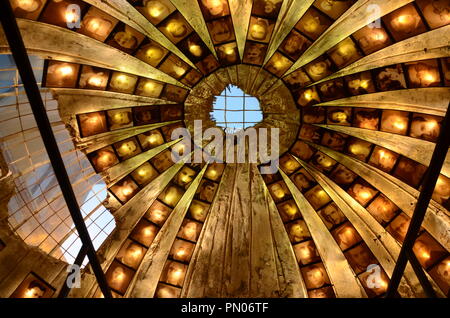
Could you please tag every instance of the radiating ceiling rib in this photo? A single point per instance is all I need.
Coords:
(76, 101)
(380, 242)
(49, 41)
(437, 221)
(202, 281)
(430, 100)
(294, 11)
(124, 11)
(193, 14)
(413, 148)
(145, 282)
(341, 275)
(428, 45)
(356, 17)
(120, 170)
(287, 267)
(240, 13)
(130, 213)
(93, 143)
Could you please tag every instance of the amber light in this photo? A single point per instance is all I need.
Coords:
(29, 293)
(143, 172)
(122, 79)
(399, 124)
(95, 81)
(71, 16)
(135, 254)
(382, 155)
(179, 70)
(158, 215)
(181, 252)
(153, 139)
(124, 149)
(126, 191)
(364, 84)
(27, 4)
(378, 35)
(149, 86)
(211, 174)
(195, 49)
(426, 255)
(148, 231)
(94, 25)
(177, 274)
(403, 22)
(65, 70)
(364, 195)
(105, 159)
(229, 50)
(347, 49)
(306, 253)
(308, 94)
(429, 78)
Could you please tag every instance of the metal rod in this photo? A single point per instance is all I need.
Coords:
(429, 291)
(20, 55)
(434, 168)
(65, 290)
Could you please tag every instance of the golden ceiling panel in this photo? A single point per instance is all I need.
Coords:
(91, 144)
(437, 220)
(413, 148)
(380, 242)
(295, 286)
(113, 174)
(359, 117)
(153, 262)
(294, 10)
(359, 15)
(135, 212)
(192, 12)
(341, 275)
(430, 100)
(54, 42)
(412, 49)
(124, 11)
(75, 101)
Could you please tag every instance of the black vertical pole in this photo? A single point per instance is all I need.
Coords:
(20, 55)
(434, 168)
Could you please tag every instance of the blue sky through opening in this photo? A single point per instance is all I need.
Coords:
(234, 110)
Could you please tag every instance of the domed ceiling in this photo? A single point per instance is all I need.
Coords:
(357, 90)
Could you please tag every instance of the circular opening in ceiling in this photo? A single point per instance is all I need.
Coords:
(234, 110)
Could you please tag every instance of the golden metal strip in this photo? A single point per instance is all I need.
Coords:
(436, 43)
(93, 143)
(346, 284)
(294, 11)
(437, 220)
(124, 11)
(431, 100)
(381, 243)
(413, 148)
(49, 41)
(240, 13)
(282, 242)
(356, 17)
(145, 282)
(117, 172)
(193, 14)
(79, 101)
